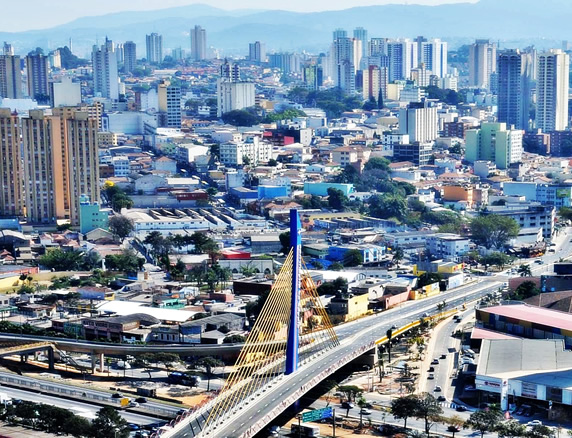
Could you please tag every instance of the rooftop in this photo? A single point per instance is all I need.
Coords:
(535, 315)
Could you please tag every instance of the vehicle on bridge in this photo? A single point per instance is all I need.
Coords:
(305, 430)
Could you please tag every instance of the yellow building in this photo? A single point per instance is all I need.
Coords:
(107, 139)
(349, 307)
(457, 193)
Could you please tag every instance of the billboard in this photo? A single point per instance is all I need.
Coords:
(563, 193)
(529, 390)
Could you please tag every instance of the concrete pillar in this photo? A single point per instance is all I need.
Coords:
(101, 362)
(51, 359)
(93, 362)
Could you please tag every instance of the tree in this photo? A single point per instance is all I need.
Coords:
(429, 278)
(388, 205)
(350, 391)
(352, 257)
(380, 103)
(493, 231)
(285, 241)
(109, 424)
(524, 271)
(234, 339)
(59, 260)
(370, 104)
(565, 213)
(377, 163)
(208, 364)
(403, 408)
(336, 266)
(336, 199)
(398, 255)
(127, 261)
(332, 287)
(456, 422)
(540, 431)
(429, 410)
(272, 162)
(484, 420)
(526, 289)
(167, 359)
(245, 117)
(511, 429)
(362, 403)
(497, 259)
(121, 226)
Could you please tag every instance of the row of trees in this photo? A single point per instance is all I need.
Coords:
(52, 419)
(426, 407)
(59, 260)
(116, 197)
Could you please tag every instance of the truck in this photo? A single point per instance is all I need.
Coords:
(5, 399)
(305, 430)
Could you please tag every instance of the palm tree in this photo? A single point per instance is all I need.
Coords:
(361, 402)
(398, 255)
(524, 271)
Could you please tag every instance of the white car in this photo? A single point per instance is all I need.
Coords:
(534, 423)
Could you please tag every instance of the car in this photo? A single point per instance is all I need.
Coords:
(453, 429)
(274, 430)
(430, 376)
(347, 405)
(441, 398)
(134, 427)
(141, 400)
(117, 395)
(393, 327)
(435, 361)
(437, 389)
(443, 356)
(133, 404)
(365, 411)
(461, 408)
(431, 369)
(425, 315)
(534, 423)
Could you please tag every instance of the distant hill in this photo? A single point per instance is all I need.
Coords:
(512, 22)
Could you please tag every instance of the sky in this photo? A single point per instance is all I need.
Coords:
(43, 14)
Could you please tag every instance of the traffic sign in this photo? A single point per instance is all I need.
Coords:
(317, 414)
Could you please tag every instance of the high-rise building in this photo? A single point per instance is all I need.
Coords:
(421, 75)
(494, 142)
(232, 93)
(55, 59)
(154, 45)
(169, 97)
(10, 77)
(8, 50)
(257, 52)
(402, 56)
(482, 62)
(61, 163)
(198, 43)
(287, 62)
(313, 76)
(514, 70)
(340, 33)
(38, 74)
(433, 54)
(375, 82)
(361, 34)
(129, 57)
(66, 92)
(11, 177)
(552, 91)
(347, 58)
(420, 121)
(377, 46)
(105, 75)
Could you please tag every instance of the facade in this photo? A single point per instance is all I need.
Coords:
(10, 77)
(448, 246)
(66, 93)
(361, 34)
(402, 57)
(198, 43)
(349, 306)
(38, 73)
(129, 57)
(433, 55)
(482, 63)
(420, 121)
(532, 215)
(552, 91)
(557, 195)
(234, 96)
(313, 77)
(11, 176)
(416, 152)
(154, 46)
(347, 55)
(375, 82)
(287, 62)
(105, 76)
(92, 216)
(169, 97)
(514, 70)
(494, 142)
(233, 154)
(257, 52)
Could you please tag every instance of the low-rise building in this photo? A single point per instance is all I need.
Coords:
(448, 246)
(349, 306)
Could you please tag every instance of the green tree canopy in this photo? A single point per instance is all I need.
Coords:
(244, 117)
(352, 257)
(336, 199)
(493, 231)
(121, 226)
(406, 407)
(108, 423)
(497, 259)
(388, 206)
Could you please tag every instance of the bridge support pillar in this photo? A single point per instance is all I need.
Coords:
(293, 335)
(93, 362)
(101, 362)
(51, 361)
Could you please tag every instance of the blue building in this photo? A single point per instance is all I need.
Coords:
(321, 189)
(92, 216)
(557, 195)
(271, 192)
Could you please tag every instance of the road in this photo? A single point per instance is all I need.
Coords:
(84, 393)
(356, 337)
(89, 409)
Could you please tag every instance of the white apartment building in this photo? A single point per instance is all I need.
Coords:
(420, 121)
(120, 166)
(234, 96)
(552, 89)
(448, 246)
(233, 153)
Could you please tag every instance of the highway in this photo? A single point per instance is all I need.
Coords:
(355, 338)
(89, 409)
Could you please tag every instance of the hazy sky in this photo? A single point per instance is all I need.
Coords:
(40, 14)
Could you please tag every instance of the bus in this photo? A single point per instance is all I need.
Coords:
(305, 430)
